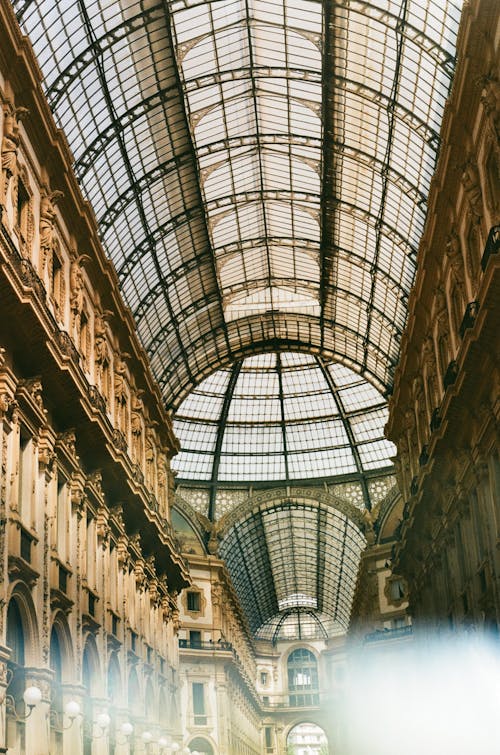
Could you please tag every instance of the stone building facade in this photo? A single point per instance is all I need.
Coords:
(90, 570)
(130, 628)
(444, 412)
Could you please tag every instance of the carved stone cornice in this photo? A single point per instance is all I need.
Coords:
(46, 452)
(122, 551)
(19, 569)
(77, 488)
(93, 486)
(103, 529)
(29, 394)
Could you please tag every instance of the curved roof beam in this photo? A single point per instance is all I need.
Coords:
(236, 247)
(260, 336)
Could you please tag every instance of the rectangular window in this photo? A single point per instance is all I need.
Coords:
(62, 518)
(263, 678)
(22, 213)
(194, 601)
(199, 703)
(269, 737)
(133, 641)
(63, 579)
(25, 478)
(84, 339)
(195, 638)
(26, 541)
(58, 287)
(91, 552)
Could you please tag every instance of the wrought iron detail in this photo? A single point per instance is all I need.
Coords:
(435, 419)
(451, 374)
(119, 441)
(469, 318)
(424, 456)
(96, 399)
(492, 245)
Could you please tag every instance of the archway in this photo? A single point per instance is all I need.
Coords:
(303, 685)
(56, 705)
(16, 642)
(201, 745)
(307, 739)
(92, 681)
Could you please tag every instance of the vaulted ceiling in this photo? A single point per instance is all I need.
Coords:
(258, 168)
(259, 172)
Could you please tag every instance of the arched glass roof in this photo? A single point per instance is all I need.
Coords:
(299, 624)
(294, 557)
(259, 172)
(281, 417)
(258, 168)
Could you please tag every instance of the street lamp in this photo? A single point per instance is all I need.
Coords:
(32, 697)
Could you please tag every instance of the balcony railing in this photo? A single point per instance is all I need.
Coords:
(469, 318)
(389, 634)
(293, 700)
(492, 245)
(201, 645)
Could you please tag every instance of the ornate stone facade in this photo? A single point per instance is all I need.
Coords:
(90, 572)
(448, 548)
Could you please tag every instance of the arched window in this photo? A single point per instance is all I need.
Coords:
(134, 695)
(91, 682)
(302, 678)
(56, 704)
(199, 744)
(114, 681)
(16, 739)
(115, 694)
(307, 738)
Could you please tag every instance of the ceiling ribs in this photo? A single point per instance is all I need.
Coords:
(348, 429)
(124, 154)
(226, 404)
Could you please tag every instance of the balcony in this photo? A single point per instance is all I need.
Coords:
(381, 635)
(450, 375)
(435, 420)
(293, 700)
(492, 245)
(469, 318)
(201, 645)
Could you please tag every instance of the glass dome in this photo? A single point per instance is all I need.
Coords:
(299, 624)
(281, 417)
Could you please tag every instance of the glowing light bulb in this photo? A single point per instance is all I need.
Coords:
(32, 696)
(147, 736)
(126, 728)
(72, 709)
(103, 720)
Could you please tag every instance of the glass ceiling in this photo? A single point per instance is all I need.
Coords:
(281, 417)
(292, 558)
(259, 172)
(258, 168)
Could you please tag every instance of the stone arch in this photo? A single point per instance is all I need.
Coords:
(309, 725)
(21, 594)
(114, 680)
(61, 628)
(91, 667)
(192, 534)
(150, 701)
(269, 498)
(134, 697)
(202, 745)
(163, 707)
